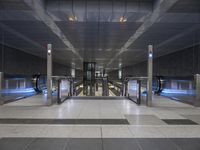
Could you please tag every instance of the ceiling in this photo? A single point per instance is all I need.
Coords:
(90, 30)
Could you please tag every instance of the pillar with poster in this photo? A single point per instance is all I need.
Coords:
(63, 89)
(134, 91)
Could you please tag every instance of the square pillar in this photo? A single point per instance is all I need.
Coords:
(49, 74)
(197, 90)
(150, 75)
(1, 87)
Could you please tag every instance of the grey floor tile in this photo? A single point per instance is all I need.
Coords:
(15, 143)
(157, 144)
(120, 144)
(144, 120)
(114, 121)
(195, 118)
(187, 143)
(36, 121)
(179, 122)
(84, 144)
(63, 121)
(48, 144)
(96, 98)
(87, 121)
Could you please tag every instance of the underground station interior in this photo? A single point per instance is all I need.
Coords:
(100, 74)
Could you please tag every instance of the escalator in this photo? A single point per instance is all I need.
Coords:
(16, 87)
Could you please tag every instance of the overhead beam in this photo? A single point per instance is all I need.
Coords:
(14, 32)
(181, 34)
(161, 7)
(38, 7)
(171, 39)
(178, 36)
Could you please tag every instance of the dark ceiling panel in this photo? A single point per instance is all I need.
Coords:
(186, 6)
(99, 11)
(13, 5)
(98, 36)
(159, 33)
(36, 31)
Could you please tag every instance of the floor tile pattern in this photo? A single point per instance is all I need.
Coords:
(64, 121)
(179, 122)
(100, 143)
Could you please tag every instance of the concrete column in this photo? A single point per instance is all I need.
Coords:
(105, 89)
(72, 87)
(197, 89)
(73, 72)
(49, 74)
(150, 75)
(1, 87)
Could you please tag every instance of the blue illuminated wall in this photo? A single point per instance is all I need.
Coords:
(181, 63)
(17, 62)
(18, 68)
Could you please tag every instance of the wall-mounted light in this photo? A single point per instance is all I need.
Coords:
(150, 55)
(150, 51)
(49, 48)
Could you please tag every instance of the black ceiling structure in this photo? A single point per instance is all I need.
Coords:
(108, 32)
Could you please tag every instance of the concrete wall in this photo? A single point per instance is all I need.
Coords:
(17, 62)
(181, 63)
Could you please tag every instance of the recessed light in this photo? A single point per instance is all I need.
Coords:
(74, 18)
(71, 19)
(123, 19)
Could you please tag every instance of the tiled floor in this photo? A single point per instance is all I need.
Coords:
(65, 121)
(99, 124)
(99, 144)
(144, 120)
(180, 122)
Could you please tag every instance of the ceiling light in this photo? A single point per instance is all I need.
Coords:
(74, 18)
(123, 19)
(71, 19)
